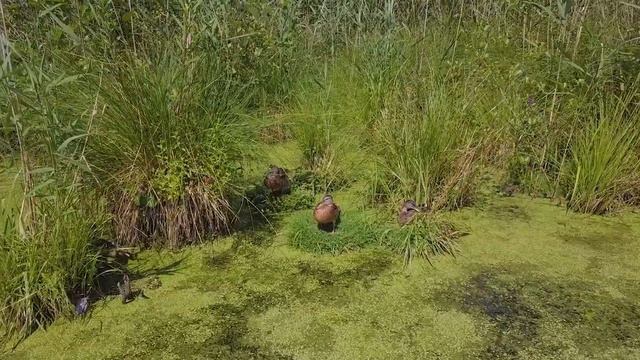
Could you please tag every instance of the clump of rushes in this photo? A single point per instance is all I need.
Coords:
(426, 152)
(167, 148)
(604, 171)
(424, 238)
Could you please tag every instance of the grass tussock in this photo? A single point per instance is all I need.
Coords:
(603, 173)
(327, 123)
(425, 237)
(168, 148)
(356, 231)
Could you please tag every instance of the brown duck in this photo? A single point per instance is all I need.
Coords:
(327, 214)
(277, 181)
(407, 212)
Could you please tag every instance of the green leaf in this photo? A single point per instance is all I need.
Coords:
(46, 11)
(69, 140)
(66, 28)
(574, 65)
(61, 80)
(564, 8)
(544, 9)
(42, 170)
(40, 186)
(629, 4)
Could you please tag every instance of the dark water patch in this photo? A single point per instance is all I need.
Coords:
(263, 237)
(333, 287)
(518, 303)
(230, 322)
(508, 212)
(219, 261)
(516, 322)
(247, 245)
(319, 337)
(269, 283)
(230, 340)
(594, 315)
(226, 326)
(365, 272)
(258, 302)
(323, 275)
(599, 238)
(286, 281)
(369, 269)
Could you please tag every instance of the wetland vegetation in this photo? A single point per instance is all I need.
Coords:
(135, 138)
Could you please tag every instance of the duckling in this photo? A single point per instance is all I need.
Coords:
(277, 181)
(408, 210)
(327, 214)
(82, 306)
(509, 189)
(125, 289)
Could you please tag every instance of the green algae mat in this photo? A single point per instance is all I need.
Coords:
(531, 282)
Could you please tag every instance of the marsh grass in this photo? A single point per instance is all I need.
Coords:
(327, 123)
(148, 105)
(605, 166)
(425, 150)
(49, 220)
(47, 262)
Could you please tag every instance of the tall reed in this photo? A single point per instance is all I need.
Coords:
(425, 149)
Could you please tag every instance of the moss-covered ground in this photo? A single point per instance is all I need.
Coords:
(531, 281)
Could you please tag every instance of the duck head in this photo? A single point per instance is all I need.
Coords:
(410, 205)
(407, 212)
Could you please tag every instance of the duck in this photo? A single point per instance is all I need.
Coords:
(125, 289)
(327, 214)
(508, 190)
(82, 306)
(407, 212)
(277, 181)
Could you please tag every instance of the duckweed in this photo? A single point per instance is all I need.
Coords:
(518, 291)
